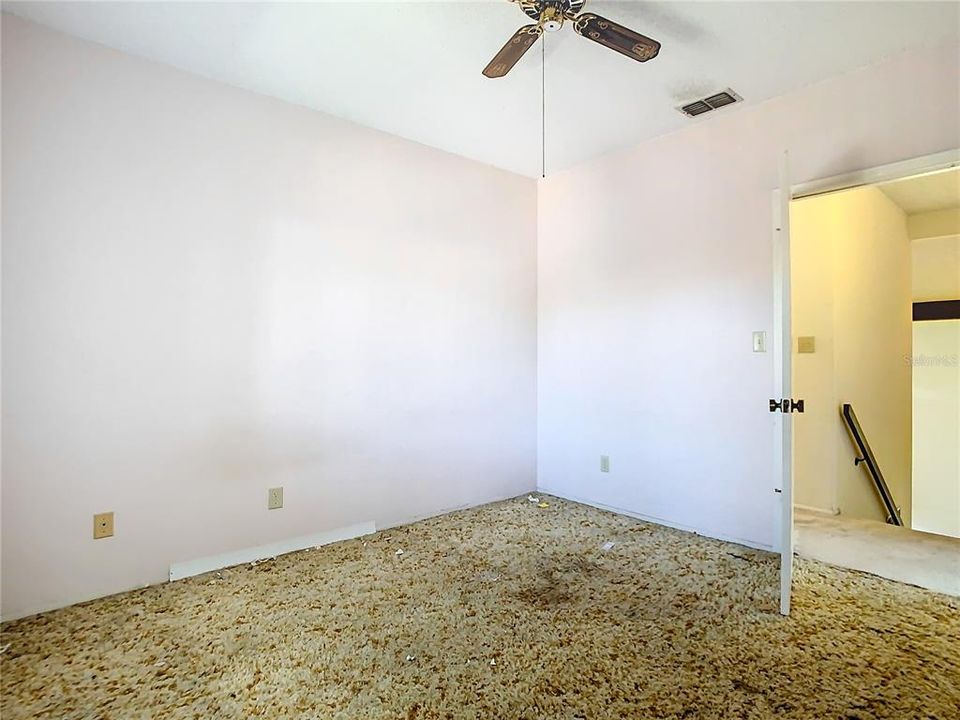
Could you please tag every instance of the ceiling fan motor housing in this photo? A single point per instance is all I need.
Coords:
(550, 14)
(551, 19)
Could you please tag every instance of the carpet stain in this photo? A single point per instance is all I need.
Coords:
(506, 611)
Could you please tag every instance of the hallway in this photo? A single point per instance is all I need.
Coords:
(922, 559)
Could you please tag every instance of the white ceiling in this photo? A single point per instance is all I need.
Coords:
(413, 68)
(925, 193)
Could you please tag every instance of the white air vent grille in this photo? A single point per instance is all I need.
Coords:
(718, 100)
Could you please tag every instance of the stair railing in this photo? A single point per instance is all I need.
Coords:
(867, 457)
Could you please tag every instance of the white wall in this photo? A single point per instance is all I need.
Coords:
(856, 241)
(819, 437)
(936, 440)
(852, 291)
(207, 293)
(655, 266)
(873, 330)
(936, 378)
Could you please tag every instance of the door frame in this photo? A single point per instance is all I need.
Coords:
(783, 346)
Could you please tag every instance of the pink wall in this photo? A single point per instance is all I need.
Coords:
(655, 266)
(207, 293)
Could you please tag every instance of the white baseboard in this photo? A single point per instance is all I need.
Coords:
(189, 568)
(818, 510)
(657, 521)
(400, 521)
(198, 566)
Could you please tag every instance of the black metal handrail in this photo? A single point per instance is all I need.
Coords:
(867, 458)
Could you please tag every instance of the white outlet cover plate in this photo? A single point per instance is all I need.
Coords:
(275, 498)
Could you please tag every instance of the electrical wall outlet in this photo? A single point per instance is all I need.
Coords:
(806, 344)
(604, 463)
(275, 498)
(102, 525)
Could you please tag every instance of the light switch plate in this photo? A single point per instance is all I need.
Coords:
(102, 525)
(759, 341)
(604, 463)
(806, 344)
(275, 498)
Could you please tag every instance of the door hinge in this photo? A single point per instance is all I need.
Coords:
(786, 405)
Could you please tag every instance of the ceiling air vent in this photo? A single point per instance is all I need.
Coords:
(699, 107)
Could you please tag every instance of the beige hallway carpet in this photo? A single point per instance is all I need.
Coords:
(897, 553)
(503, 611)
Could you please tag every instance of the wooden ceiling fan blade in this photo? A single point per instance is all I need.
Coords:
(512, 52)
(616, 37)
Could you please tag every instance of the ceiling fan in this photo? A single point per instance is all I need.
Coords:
(550, 15)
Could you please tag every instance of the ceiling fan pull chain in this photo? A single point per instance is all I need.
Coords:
(543, 106)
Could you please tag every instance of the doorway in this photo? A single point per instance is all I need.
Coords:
(857, 257)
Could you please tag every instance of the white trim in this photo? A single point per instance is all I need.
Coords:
(783, 380)
(199, 566)
(189, 568)
(829, 512)
(655, 520)
(776, 385)
(391, 523)
(46, 607)
(218, 562)
(924, 165)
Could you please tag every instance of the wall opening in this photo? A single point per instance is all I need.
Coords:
(875, 283)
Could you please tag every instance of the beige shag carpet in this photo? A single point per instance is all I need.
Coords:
(504, 611)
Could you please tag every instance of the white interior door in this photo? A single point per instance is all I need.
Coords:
(783, 349)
